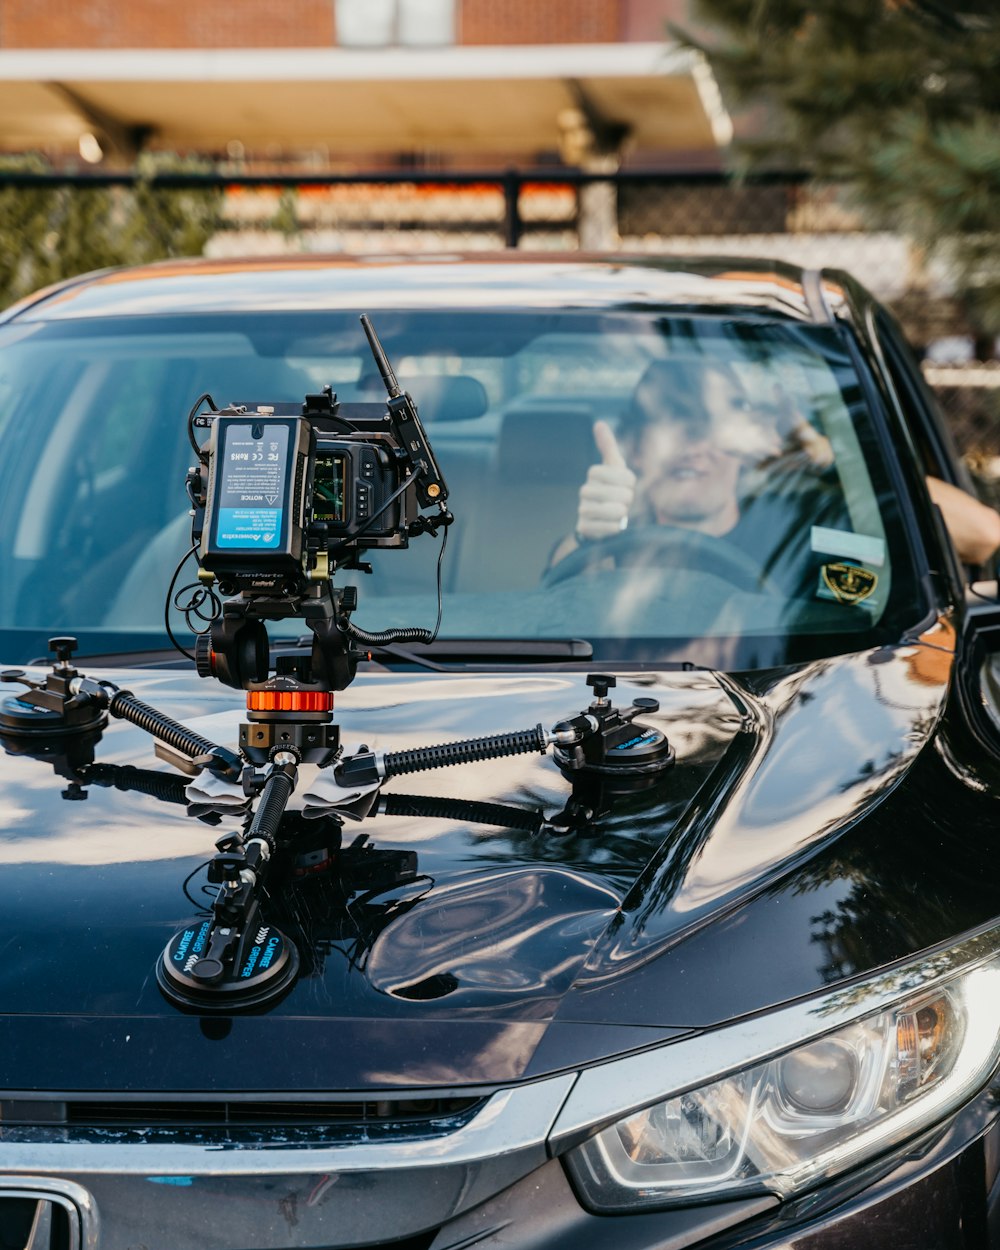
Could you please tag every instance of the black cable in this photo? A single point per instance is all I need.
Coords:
(993, 599)
(413, 633)
(198, 451)
(440, 559)
(385, 637)
(346, 542)
(199, 596)
(169, 600)
(210, 891)
(331, 418)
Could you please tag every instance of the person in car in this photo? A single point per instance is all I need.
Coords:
(681, 457)
(681, 454)
(974, 527)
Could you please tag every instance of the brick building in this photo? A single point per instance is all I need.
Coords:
(356, 83)
(326, 23)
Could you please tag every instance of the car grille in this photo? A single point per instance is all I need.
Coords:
(184, 1113)
(32, 1221)
(355, 1170)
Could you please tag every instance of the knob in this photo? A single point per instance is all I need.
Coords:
(204, 657)
(64, 648)
(601, 683)
(208, 971)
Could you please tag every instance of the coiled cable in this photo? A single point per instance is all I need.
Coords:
(384, 637)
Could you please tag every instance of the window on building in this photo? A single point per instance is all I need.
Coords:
(388, 23)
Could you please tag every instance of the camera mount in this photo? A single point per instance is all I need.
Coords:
(236, 958)
(281, 499)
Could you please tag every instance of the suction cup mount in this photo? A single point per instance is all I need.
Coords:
(234, 959)
(213, 968)
(610, 743)
(231, 959)
(51, 709)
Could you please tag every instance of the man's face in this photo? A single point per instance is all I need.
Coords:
(689, 471)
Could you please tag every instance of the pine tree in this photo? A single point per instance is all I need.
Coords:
(51, 232)
(899, 100)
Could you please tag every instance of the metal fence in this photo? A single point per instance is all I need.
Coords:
(232, 213)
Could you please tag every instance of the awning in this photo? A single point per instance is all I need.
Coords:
(463, 100)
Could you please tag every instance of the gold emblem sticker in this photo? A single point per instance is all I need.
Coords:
(849, 583)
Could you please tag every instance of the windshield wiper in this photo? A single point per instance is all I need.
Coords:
(513, 648)
(145, 658)
(526, 650)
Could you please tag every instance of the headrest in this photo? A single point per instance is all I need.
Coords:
(448, 397)
(439, 396)
(547, 444)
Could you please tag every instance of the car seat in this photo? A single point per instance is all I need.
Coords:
(530, 501)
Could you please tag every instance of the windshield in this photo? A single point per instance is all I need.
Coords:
(754, 521)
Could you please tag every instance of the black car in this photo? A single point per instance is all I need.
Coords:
(648, 899)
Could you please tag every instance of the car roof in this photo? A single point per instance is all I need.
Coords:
(488, 281)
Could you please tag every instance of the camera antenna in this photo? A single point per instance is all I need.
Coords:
(409, 431)
(392, 386)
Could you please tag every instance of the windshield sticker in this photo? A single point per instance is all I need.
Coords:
(846, 582)
(865, 548)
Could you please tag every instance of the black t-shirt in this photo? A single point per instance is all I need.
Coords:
(776, 531)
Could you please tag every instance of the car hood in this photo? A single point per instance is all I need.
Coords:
(483, 924)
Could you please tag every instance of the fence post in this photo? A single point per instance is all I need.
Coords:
(511, 211)
(597, 207)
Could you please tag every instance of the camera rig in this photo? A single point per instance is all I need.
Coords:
(280, 500)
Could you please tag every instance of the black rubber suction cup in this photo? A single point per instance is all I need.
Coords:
(191, 974)
(610, 744)
(49, 709)
(27, 721)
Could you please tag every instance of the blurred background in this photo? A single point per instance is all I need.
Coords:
(856, 134)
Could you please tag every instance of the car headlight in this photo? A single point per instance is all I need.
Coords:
(803, 1113)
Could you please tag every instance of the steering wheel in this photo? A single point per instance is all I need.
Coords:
(690, 549)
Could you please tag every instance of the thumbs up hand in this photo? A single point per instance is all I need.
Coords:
(607, 495)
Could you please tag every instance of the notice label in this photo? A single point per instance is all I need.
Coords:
(865, 548)
(250, 497)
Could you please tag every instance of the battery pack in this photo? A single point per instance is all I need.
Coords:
(255, 518)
